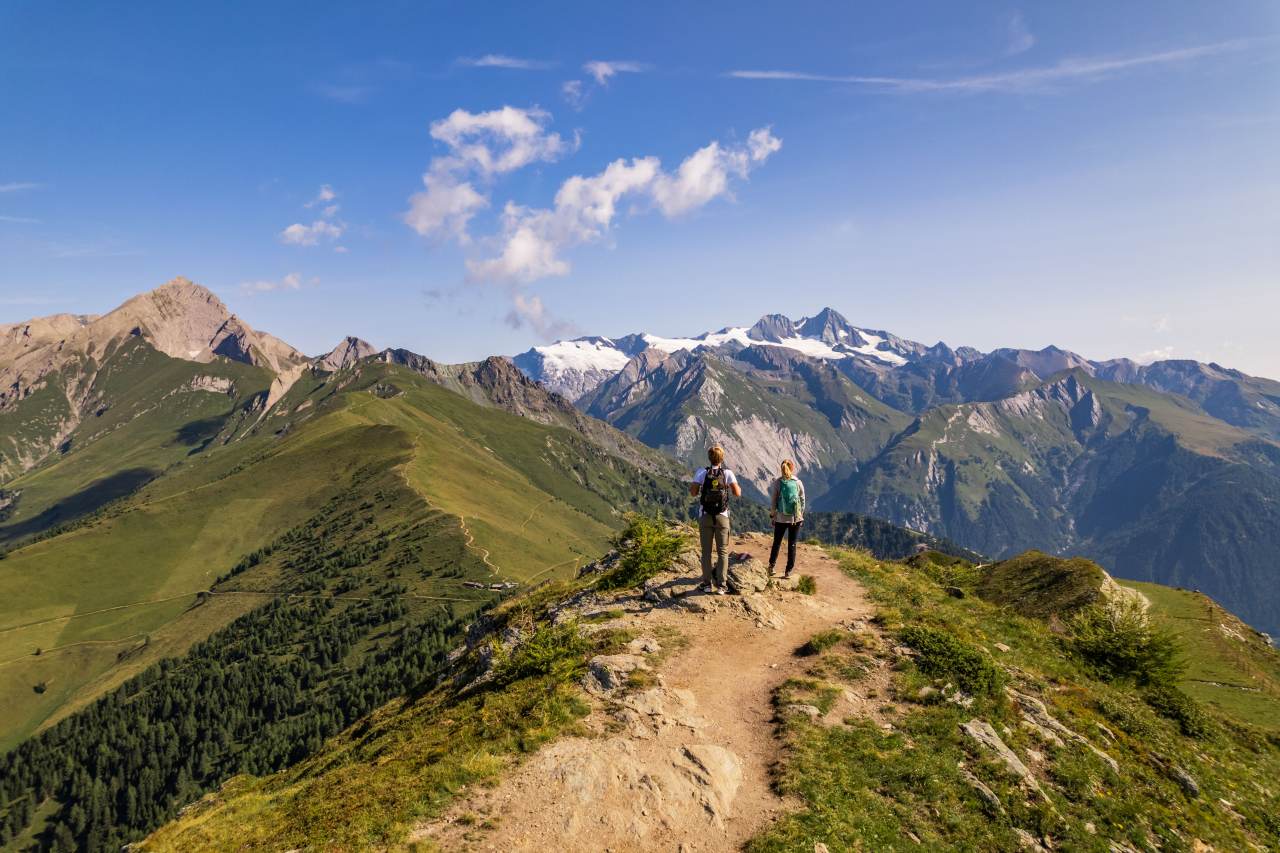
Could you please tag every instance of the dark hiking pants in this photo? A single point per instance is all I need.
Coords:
(790, 530)
(714, 529)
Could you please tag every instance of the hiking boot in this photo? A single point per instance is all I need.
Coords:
(720, 591)
(771, 570)
(707, 588)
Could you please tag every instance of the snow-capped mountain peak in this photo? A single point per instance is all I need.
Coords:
(574, 367)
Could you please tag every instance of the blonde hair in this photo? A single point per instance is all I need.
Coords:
(716, 455)
(788, 469)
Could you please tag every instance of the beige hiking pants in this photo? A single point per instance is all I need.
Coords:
(714, 528)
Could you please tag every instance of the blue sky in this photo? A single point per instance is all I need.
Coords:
(1100, 176)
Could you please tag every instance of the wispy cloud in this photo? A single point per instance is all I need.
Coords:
(498, 60)
(323, 229)
(1158, 354)
(1086, 69)
(291, 281)
(602, 70)
(19, 186)
(574, 93)
(577, 92)
(299, 234)
(23, 220)
(344, 94)
(1020, 38)
(357, 82)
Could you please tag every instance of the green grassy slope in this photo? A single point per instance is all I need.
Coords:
(913, 785)
(143, 413)
(536, 499)
(1229, 666)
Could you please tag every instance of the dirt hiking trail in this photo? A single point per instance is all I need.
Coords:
(682, 732)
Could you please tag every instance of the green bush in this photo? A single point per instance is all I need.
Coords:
(555, 650)
(1118, 641)
(646, 546)
(821, 641)
(1170, 702)
(943, 655)
(807, 584)
(1129, 715)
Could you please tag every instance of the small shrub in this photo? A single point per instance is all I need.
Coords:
(943, 655)
(556, 650)
(1173, 704)
(1130, 716)
(807, 584)
(820, 642)
(646, 546)
(1118, 641)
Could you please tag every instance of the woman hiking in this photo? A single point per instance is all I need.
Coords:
(786, 509)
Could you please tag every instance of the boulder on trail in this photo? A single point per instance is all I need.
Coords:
(608, 673)
(748, 575)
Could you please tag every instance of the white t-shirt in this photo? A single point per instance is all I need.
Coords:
(701, 474)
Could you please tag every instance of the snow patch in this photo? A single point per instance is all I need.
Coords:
(582, 356)
(711, 339)
(813, 348)
(870, 348)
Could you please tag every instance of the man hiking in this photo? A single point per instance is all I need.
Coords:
(712, 486)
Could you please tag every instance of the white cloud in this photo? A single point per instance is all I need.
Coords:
(324, 195)
(498, 60)
(444, 207)
(499, 140)
(528, 310)
(573, 93)
(1024, 80)
(602, 70)
(1158, 354)
(584, 209)
(486, 145)
(1020, 38)
(298, 234)
(292, 281)
(21, 220)
(19, 186)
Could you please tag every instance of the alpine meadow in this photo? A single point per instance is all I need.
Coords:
(821, 428)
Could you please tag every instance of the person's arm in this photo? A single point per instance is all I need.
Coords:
(695, 484)
(734, 487)
(775, 490)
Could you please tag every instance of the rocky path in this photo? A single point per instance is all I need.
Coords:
(681, 763)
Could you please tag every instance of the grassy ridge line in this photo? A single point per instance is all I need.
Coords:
(366, 579)
(911, 786)
(1229, 666)
(372, 783)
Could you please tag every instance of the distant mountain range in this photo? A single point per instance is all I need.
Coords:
(1167, 471)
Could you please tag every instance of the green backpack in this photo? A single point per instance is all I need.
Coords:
(789, 497)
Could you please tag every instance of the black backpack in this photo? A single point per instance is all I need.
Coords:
(714, 493)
